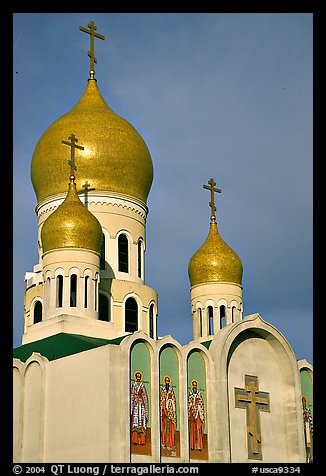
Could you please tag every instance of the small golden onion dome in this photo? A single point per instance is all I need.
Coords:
(71, 225)
(215, 261)
(115, 157)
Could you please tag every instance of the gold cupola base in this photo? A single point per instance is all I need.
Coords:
(67, 324)
(85, 321)
(214, 306)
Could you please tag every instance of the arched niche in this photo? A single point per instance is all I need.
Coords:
(140, 399)
(307, 399)
(169, 401)
(262, 399)
(197, 405)
(253, 349)
(33, 409)
(17, 409)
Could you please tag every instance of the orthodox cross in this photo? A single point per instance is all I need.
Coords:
(212, 189)
(87, 187)
(91, 32)
(252, 400)
(73, 146)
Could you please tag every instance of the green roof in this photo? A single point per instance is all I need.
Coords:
(61, 345)
(207, 343)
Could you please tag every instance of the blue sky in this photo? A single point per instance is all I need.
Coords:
(222, 95)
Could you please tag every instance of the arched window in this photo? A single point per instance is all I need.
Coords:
(151, 321)
(86, 291)
(102, 253)
(123, 253)
(103, 311)
(222, 316)
(47, 291)
(37, 312)
(200, 321)
(139, 258)
(233, 314)
(59, 290)
(73, 290)
(96, 292)
(131, 315)
(210, 315)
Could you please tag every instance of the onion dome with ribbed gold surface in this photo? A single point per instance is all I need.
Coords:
(71, 225)
(115, 157)
(215, 261)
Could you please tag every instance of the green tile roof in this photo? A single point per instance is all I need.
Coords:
(61, 345)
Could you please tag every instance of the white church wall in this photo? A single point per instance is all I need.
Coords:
(79, 421)
(17, 409)
(254, 347)
(255, 357)
(82, 402)
(32, 429)
(30, 404)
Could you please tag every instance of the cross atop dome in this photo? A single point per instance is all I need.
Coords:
(212, 189)
(92, 33)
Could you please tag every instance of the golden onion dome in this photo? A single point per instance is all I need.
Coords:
(71, 225)
(215, 261)
(115, 157)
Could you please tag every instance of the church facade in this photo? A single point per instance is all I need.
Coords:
(93, 382)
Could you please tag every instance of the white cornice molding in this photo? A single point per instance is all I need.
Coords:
(98, 198)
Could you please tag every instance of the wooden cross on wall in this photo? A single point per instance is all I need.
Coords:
(253, 401)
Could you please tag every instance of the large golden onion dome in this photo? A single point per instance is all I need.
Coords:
(71, 225)
(215, 261)
(115, 157)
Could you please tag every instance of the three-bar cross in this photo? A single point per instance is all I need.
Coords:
(91, 32)
(212, 189)
(254, 401)
(87, 187)
(73, 146)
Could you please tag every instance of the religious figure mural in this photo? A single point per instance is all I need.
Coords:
(196, 416)
(168, 406)
(308, 429)
(169, 402)
(196, 402)
(140, 400)
(139, 410)
(307, 401)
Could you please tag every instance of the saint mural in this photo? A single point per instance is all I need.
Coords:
(308, 429)
(196, 416)
(168, 413)
(139, 410)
